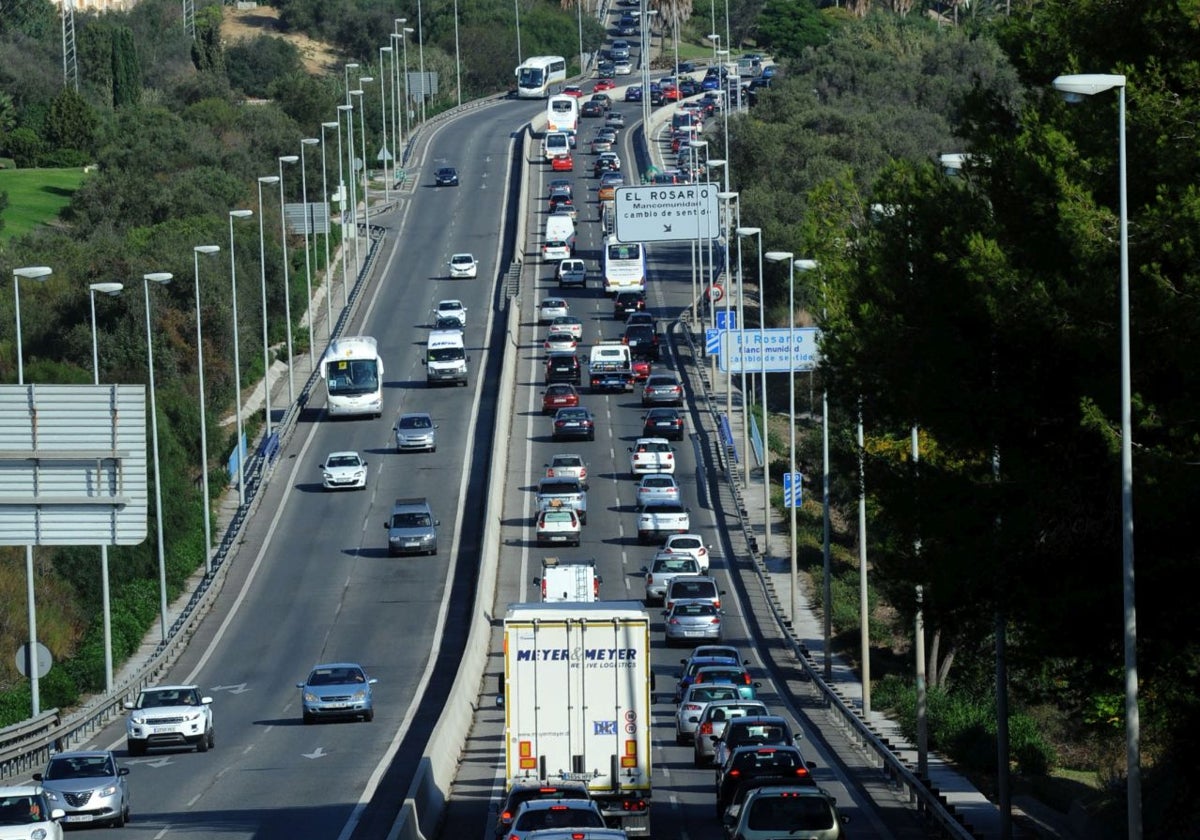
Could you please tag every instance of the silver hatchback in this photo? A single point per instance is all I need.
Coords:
(415, 432)
(89, 786)
(689, 622)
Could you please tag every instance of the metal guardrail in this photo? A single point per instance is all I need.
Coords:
(894, 770)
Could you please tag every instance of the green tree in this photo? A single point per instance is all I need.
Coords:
(71, 123)
(24, 146)
(254, 65)
(208, 56)
(126, 69)
(786, 29)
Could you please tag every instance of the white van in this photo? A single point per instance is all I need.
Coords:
(446, 358)
(560, 228)
(555, 143)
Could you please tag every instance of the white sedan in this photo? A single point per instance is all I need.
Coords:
(452, 309)
(569, 324)
(657, 487)
(463, 265)
(344, 470)
(551, 308)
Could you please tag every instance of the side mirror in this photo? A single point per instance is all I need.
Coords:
(437, 522)
(122, 771)
(499, 701)
(536, 581)
(299, 685)
(387, 525)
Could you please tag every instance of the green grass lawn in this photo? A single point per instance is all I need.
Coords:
(35, 196)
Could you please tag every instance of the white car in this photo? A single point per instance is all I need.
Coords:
(691, 706)
(559, 341)
(689, 545)
(452, 309)
(568, 323)
(651, 455)
(551, 308)
(463, 265)
(657, 487)
(169, 716)
(558, 526)
(623, 67)
(344, 470)
(26, 812)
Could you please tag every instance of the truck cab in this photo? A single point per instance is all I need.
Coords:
(446, 358)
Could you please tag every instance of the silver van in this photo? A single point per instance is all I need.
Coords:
(411, 528)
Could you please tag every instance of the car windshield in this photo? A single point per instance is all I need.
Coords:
(707, 694)
(558, 817)
(22, 810)
(689, 589)
(694, 610)
(676, 564)
(79, 767)
(445, 354)
(410, 520)
(567, 462)
(168, 697)
(336, 676)
(564, 517)
(767, 759)
(415, 422)
(342, 461)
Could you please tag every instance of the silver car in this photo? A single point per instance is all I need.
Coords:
(712, 725)
(415, 432)
(691, 705)
(688, 622)
(337, 690)
(88, 786)
(568, 465)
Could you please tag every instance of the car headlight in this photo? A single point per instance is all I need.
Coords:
(361, 694)
(138, 718)
(110, 790)
(310, 697)
(328, 476)
(359, 475)
(52, 795)
(38, 834)
(194, 716)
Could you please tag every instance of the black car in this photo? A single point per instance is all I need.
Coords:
(447, 176)
(592, 108)
(688, 87)
(751, 761)
(642, 339)
(562, 367)
(685, 67)
(626, 302)
(576, 423)
(664, 423)
(606, 69)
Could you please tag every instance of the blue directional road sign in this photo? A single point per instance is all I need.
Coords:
(793, 490)
(727, 319)
(712, 341)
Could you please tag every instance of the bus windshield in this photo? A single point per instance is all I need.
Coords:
(348, 377)
(530, 77)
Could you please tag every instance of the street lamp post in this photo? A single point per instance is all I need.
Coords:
(714, 37)
(346, 75)
(644, 57)
(401, 128)
(262, 263)
(579, 15)
(742, 343)
(457, 59)
(39, 273)
(766, 432)
(421, 56)
(383, 77)
(728, 197)
(404, 33)
(111, 289)
(366, 198)
(697, 254)
(349, 111)
(196, 252)
(237, 368)
(161, 277)
(517, 15)
(787, 256)
(1074, 87)
(287, 289)
(353, 183)
(312, 338)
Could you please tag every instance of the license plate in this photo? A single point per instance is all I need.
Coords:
(337, 705)
(412, 545)
(74, 818)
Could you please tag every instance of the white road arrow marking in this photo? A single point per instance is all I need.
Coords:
(151, 762)
(319, 752)
(232, 689)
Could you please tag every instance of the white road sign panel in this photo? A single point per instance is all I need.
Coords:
(772, 347)
(667, 213)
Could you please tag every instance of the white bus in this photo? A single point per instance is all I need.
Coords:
(539, 74)
(624, 266)
(562, 113)
(353, 374)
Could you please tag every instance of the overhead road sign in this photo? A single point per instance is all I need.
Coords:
(667, 213)
(771, 347)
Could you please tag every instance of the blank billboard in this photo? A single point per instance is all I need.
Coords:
(73, 464)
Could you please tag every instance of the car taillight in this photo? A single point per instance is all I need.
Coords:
(746, 678)
(802, 772)
(716, 620)
(706, 728)
(673, 621)
(543, 589)
(691, 707)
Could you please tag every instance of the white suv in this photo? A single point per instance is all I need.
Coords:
(169, 716)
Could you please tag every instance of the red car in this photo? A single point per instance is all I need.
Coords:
(641, 368)
(603, 84)
(573, 90)
(559, 395)
(562, 163)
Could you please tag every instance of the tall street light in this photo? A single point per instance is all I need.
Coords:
(353, 182)
(714, 37)
(517, 15)
(644, 57)
(1075, 87)
(237, 368)
(312, 338)
(728, 197)
(746, 396)
(348, 110)
(697, 269)
(307, 223)
(366, 198)
(196, 252)
(787, 256)
(262, 265)
(457, 59)
(405, 32)
(111, 289)
(328, 229)
(579, 15)
(397, 118)
(383, 77)
(762, 355)
(162, 278)
(39, 273)
(346, 74)
(421, 57)
(287, 288)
